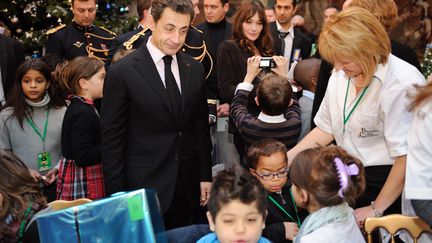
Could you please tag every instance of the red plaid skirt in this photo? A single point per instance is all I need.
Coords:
(76, 182)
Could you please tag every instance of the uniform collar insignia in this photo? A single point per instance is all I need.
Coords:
(78, 44)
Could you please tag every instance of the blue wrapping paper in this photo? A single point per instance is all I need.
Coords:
(128, 217)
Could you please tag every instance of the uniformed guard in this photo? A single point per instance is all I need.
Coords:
(133, 39)
(82, 37)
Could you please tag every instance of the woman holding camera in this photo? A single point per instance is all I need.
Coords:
(251, 37)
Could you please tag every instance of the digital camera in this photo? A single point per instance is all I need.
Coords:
(267, 62)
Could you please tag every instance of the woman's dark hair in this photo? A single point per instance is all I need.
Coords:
(17, 188)
(264, 43)
(314, 170)
(236, 184)
(16, 98)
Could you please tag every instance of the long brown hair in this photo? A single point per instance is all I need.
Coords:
(264, 43)
(17, 187)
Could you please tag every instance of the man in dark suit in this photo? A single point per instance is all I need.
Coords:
(214, 30)
(154, 119)
(12, 56)
(289, 42)
(131, 39)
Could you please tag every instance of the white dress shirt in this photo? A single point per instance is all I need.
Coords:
(288, 40)
(157, 56)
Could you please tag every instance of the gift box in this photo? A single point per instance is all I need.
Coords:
(127, 217)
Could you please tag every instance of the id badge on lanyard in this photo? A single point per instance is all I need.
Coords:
(44, 157)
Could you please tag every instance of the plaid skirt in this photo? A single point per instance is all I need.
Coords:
(76, 182)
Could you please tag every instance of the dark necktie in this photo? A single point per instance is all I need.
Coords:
(282, 36)
(171, 87)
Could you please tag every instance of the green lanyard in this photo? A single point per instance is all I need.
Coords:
(346, 118)
(33, 125)
(24, 222)
(283, 210)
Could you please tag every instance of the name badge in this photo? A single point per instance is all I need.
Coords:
(296, 55)
(44, 161)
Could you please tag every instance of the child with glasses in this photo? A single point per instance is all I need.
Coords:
(326, 181)
(267, 161)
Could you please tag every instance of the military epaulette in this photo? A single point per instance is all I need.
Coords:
(129, 43)
(53, 30)
(193, 27)
(107, 30)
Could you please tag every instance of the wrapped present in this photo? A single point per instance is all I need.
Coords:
(127, 217)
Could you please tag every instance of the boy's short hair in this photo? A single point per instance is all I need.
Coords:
(236, 184)
(274, 94)
(263, 147)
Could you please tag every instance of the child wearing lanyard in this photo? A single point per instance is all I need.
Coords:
(267, 161)
(31, 122)
(326, 181)
(80, 170)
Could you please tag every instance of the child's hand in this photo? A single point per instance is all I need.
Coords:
(50, 176)
(291, 230)
(252, 68)
(281, 66)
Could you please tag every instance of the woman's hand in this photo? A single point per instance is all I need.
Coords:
(291, 230)
(361, 214)
(252, 68)
(281, 66)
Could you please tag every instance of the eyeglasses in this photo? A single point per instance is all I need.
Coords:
(269, 177)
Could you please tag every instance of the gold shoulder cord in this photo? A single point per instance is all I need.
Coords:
(100, 37)
(53, 30)
(129, 44)
(91, 50)
(201, 57)
(109, 31)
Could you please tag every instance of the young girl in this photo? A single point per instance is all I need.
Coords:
(326, 181)
(80, 172)
(20, 199)
(31, 122)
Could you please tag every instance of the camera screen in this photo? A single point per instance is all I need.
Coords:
(264, 63)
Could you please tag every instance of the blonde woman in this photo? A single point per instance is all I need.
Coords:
(365, 105)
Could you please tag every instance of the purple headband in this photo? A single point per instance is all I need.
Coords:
(344, 171)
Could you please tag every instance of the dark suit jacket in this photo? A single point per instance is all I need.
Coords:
(301, 41)
(212, 91)
(143, 145)
(12, 55)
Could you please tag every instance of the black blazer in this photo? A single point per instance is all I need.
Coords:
(12, 55)
(212, 91)
(301, 41)
(143, 145)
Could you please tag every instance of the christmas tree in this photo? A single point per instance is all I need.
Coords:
(427, 61)
(29, 20)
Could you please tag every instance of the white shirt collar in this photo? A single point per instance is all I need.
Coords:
(155, 53)
(271, 119)
(290, 29)
(308, 94)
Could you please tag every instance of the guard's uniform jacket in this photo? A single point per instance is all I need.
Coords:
(74, 40)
